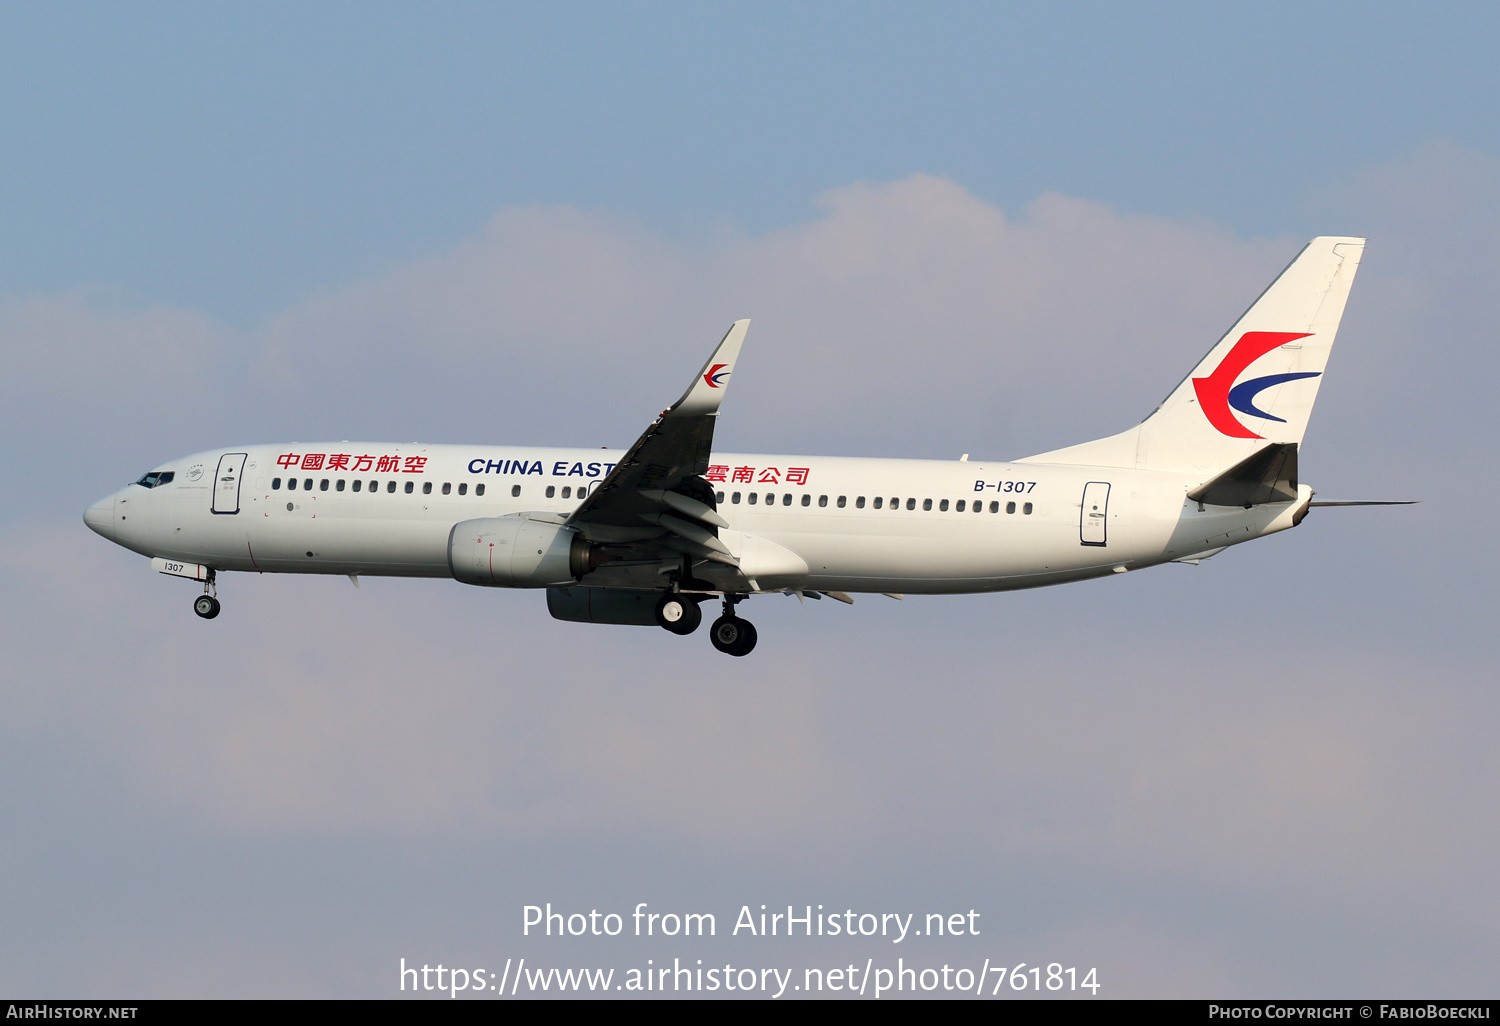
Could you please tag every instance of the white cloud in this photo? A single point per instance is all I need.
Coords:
(900, 301)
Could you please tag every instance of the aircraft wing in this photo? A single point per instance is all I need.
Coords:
(657, 491)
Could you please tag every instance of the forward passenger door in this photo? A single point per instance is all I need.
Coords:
(227, 482)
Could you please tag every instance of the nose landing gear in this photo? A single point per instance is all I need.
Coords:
(207, 604)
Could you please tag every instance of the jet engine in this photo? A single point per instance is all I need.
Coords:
(518, 552)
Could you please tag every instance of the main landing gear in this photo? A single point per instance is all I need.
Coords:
(207, 604)
(678, 613)
(730, 634)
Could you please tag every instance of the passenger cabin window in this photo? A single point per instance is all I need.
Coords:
(1010, 507)
(323, 485)
(479, 490)
(879, 501)
(718, 496)
(807, 500)
(291, 484)
(786, 500)
(735, 498)
(1026, 509)
(927, 504)
(995, 507)
(859, 503)
(912, 504)
(551, 491)
(958, 507)
(426, 487)
(307, 485)
(770, 498)
(447, 487)
(567, 492)
(390, 486)
(355, 486)
(463, 489)
(275, 484)
(373, 486)
(515, 491)
(895, 504)
(340, 486)
(410, 487)
(823, 501)
(754, 498)
(942, 506)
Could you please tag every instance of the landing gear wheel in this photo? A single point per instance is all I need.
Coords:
(678, 614)
(206, 606)
(733, 636)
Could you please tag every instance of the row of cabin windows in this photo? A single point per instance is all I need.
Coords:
(390, 486)
(877, 503)
(753, 498)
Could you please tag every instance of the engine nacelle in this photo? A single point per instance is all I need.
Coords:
(517, 552)
(604, 605)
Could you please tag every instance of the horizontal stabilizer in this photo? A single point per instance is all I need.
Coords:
(1367, 502)
(1269, 475)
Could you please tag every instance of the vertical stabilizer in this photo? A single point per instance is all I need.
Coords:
(1255, 387)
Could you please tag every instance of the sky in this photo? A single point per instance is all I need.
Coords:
(984, 228)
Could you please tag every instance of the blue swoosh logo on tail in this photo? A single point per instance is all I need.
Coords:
(1242, 396)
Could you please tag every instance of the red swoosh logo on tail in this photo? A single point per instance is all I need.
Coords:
(1213, 391)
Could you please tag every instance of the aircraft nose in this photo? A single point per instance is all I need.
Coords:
(101, 517)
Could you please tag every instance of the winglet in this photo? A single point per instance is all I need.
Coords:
(707, 390)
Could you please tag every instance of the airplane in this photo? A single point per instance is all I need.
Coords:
(645, 535)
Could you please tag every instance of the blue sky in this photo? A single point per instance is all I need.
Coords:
(988, 228)
(238, 158)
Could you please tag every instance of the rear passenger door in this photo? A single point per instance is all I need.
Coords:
(1093, 517)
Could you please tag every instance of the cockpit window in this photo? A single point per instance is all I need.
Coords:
(156, 477)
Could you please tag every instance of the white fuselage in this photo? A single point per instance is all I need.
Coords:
(861, 525)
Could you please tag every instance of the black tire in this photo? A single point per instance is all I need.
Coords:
(733, 636)
(206, 606)
(678, 614)
(748, 638)
(692, 620)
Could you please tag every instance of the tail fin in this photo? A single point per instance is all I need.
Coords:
(1256, 386)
